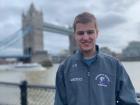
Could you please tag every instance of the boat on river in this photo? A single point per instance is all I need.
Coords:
(22, 67)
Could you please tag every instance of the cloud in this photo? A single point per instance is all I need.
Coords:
(133, 13)
(138, 29)
(118, 6)
(110, 20)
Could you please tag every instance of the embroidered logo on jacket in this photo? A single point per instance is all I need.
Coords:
(102, 80)
(76, 79)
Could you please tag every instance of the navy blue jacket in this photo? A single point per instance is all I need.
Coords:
(104, 82)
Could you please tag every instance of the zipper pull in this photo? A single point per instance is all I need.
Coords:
(88, 73)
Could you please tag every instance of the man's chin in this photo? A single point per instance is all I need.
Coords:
(86, 50)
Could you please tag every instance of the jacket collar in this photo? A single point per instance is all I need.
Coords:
(80, 55)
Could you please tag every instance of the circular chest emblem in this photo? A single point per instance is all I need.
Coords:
(102, 80)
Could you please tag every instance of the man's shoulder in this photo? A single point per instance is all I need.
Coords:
(66, 64)
(107, 57)
(69, 60)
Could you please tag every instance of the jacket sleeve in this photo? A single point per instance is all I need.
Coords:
(60, 94)
(125, 91)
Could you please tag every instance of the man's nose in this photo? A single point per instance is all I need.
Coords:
(85, 36)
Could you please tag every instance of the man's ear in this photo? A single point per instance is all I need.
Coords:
(74, 36)
(97, 33)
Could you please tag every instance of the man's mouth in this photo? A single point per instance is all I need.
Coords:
(85, 43)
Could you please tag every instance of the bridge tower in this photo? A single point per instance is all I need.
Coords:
(72, 45)
(33, 40)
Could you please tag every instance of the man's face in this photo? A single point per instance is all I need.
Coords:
(85, 36)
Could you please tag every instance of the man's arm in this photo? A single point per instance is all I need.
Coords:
(60, 95)
(125, 91)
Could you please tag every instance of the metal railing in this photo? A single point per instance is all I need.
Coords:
(25, 94)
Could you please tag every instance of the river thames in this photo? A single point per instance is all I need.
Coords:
(47, 77)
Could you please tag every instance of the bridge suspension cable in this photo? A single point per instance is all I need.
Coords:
(14, 38)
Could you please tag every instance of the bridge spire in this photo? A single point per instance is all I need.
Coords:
(32, 7)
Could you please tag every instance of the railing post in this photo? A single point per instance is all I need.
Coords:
(138, 97)
(23, 94)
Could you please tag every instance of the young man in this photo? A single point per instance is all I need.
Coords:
(89, 77)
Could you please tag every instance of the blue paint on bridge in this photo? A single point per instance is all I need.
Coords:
(14, 56)
(23, 58)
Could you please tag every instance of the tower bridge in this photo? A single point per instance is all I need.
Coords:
(33, 40)
(31, 32)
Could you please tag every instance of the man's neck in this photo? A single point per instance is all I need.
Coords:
(90, 53)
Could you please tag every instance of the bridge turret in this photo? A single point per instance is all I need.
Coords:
(72, 45)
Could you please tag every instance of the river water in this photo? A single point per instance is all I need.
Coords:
(47, 77)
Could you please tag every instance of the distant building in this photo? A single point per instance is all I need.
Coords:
(60, 57)
(132, 50)
(106, 50)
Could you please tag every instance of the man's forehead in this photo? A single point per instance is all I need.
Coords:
(85, 25)
(90, 22)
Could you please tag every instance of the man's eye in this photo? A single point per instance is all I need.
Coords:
(90, 32)
(80, 32)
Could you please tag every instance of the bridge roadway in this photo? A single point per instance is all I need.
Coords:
(14, 56)
(57, 29)
(24, 58)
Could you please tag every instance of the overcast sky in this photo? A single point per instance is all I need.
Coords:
(119, 20)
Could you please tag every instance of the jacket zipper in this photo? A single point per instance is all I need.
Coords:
(88, 74)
